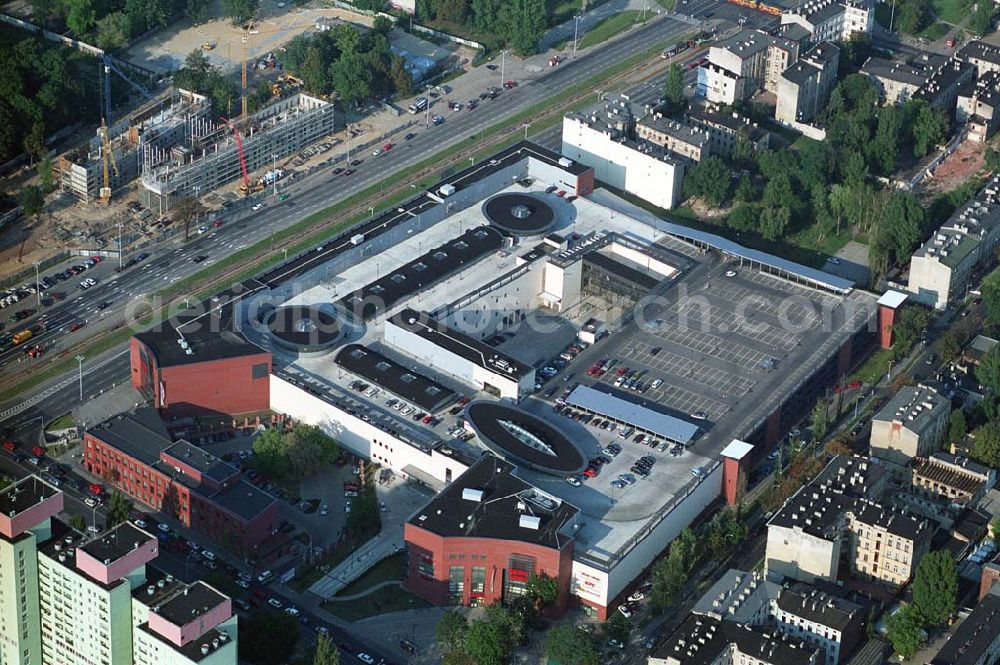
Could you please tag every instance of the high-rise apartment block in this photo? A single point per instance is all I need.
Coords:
(70, 599)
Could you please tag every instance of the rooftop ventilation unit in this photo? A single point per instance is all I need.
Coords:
(529, 522)
(470, 494)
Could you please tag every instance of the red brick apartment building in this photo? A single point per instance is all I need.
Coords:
(136, 454)
(478, 541)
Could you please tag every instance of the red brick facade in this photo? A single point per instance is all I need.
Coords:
(163, 493)
(432, 557)
(229, 386)
(886, 319)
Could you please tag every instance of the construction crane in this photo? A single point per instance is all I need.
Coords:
(107, 155)
(245, 188)
(108, 65)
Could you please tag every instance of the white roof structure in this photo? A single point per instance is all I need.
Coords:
(892, 299)
(736, 449)
(636, 415)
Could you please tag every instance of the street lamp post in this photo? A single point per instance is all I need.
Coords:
(503, 61)
(526, 125)
(38, 288)
(274, 173)
(576, 30)
(120, 227)
(79, 360)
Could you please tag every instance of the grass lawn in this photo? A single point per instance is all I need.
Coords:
(611, 26)
(802, 142)
(810, 238)
(874, 368)
(64, 421)
(935, 31)
(386, 570)
(951, 11)
(666, 4)
(382, 601)
(560, 11)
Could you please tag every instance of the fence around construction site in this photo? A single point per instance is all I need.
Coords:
(27, 276)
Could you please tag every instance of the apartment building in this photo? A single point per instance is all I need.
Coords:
(805, 538)
(978, 106)
(743, 64)
(822, 618)
(674, 135)
(896, 82)
(911, 424)
(976, 640)
(830, 20)
(957, 480)
(70, 599)
(942, 269)
(886, 543)
(724, 128)
(137, 455)
(740, 597)
(804, 88)
(602, 140)
(703, 640)
(984, 57)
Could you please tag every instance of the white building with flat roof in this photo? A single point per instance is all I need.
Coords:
(601, 141)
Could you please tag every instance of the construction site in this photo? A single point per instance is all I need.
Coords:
(202, 161)
(176, 150)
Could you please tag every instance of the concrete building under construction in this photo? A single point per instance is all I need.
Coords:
(139, 142)
(205, 162)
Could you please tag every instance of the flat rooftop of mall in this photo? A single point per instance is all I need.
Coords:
(724, 349)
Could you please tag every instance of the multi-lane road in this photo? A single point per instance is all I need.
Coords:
(315, 192)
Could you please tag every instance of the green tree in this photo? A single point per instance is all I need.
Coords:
(991, 296)
(982, 18)
(957, 428)
(196, 10)
(488, 641)
(34, 141)
(542, 590)
(486, 14)
(912, 322)
(778, 192)
(568, 645)
(988, 371)
(364, 520)
(240, 11)
(935, 588)
(673, 91)
(903, 630)
(351, 78)
(80, 16)
(119, 509)
(522, 24)
(743, 218)
(820, 419)
(929, 127)
(451, 10)
(326, 653)
(186, 211)
(618, 627)
(902, 219)
(113, 31)
(709, 180)
(402, 82)
(987, 448)
(744, 151)
(78, 522)
(995, 529)
(32, 201)
(912, 16)
(266, 638)
(950, 347)
(774, 221)
(450, 630)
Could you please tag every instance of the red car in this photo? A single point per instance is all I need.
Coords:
(464, 401)
(76, 326)
(510, 85)
(9, 446)
(217, 223)
(387, 147)
(38, 451)
(590, 472)
(95, 259)
(95, 489)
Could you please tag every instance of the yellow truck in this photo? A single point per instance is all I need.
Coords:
(21, 337)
